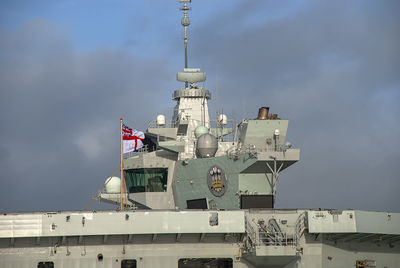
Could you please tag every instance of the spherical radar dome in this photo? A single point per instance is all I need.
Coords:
(160, 121)
(113, 186)
(200, 130)
(207, 146)
(222, 119)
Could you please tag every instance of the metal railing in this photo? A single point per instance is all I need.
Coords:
(301, 225)
(272, 235)
(282, 240)
(153, 124)
(261, 233)
(252, 238)
(254, 148)
(143, 150)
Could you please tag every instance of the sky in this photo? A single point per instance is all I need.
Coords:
(70, 69)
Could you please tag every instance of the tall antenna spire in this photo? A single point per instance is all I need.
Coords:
(185, 23)
(189, 75)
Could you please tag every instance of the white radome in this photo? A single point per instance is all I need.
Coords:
(160, 121)
(113, 186)
(223, 119)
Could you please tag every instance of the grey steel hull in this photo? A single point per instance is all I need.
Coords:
(247, 238)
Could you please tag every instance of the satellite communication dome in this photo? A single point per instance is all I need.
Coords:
(200, 130)
(113, 186)
(207, 146)
(160, 121)
(222, 119)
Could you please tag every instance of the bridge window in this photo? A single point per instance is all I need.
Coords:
(197, 203)
(146, 180)
(46, 264)
(128, 264)
(205, 262)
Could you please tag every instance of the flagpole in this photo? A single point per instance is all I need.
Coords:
(124, 190)
(122, 167)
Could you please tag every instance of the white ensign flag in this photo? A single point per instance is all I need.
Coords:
(132, 140)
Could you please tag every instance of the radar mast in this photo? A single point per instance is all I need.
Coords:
(189, 75)
(185, 23)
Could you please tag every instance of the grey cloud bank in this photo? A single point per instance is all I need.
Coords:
(331, 68)
(60, 113)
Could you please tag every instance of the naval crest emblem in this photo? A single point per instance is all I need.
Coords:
(216, 181)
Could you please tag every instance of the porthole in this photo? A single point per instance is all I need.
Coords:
(100, 257)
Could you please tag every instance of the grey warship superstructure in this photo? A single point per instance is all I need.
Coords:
(200, 193)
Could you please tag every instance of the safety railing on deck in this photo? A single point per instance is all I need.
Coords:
(301, 225)
(143, 150)
(262, 233)
(253, 148)
(153, 124)
(272, 235)
(252, 238)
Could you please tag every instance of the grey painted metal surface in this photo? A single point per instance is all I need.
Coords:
(251, 238)
(350, 221)
(117, 223)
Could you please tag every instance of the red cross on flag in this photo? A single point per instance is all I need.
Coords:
(132, 139)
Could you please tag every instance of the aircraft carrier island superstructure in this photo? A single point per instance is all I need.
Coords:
(200, 193)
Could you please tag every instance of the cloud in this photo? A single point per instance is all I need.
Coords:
(331, 68)
(60, 111)
(94, 142)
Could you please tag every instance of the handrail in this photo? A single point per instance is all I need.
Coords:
(301, 225)
(143, 150)
(270, 234)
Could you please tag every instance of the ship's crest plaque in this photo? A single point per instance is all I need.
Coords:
(216, 181)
